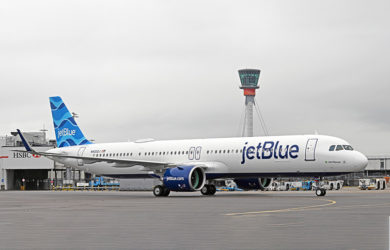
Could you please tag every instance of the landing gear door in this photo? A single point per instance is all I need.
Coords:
(80, 153)
(310, 151)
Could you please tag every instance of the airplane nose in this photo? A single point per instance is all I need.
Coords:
(361, 161)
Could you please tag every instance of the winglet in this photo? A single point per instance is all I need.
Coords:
(25, 142)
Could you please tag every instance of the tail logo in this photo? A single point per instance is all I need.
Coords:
(65, 132)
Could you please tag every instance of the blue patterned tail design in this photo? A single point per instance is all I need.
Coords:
(66, 129)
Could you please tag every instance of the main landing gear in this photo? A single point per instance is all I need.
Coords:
(320, 191)
(208, 189)
(161, 191)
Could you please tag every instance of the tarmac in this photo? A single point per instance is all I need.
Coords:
(346, 219)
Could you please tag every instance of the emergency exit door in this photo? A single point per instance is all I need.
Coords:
(310, 152)
(80, 153)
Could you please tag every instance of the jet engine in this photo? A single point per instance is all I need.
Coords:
(253, 183)
(184, 178)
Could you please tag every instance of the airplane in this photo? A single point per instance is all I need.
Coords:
(196, 164)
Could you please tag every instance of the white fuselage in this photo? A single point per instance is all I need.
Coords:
(298, 155)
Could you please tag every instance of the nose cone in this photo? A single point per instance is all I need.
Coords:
(361, 161)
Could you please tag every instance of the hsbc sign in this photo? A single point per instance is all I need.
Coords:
(22, 160)
(24, 155)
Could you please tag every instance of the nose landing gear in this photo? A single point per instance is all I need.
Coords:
(320, 191)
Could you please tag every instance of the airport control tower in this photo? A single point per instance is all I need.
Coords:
(249, 79)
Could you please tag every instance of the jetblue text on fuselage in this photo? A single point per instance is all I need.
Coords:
(268, 150)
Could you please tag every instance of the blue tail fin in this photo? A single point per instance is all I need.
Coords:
(66, 129)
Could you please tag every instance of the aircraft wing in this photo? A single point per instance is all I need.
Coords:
(119, 163)
(89, 160)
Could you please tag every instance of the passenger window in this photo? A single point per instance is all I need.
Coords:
(339, 147)
(331, 148)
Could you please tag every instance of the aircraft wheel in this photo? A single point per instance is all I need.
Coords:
(166, 191)
(208, 189)
(338, 186)
(205, 190)
(158, 190)
(213, 189)
(320, 192)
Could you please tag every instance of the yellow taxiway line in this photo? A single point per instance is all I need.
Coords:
(330, 202)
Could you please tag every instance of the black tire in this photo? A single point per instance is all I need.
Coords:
(378, 185)
(208, 190)
(287, 187)
(158, 190)
(213, 190)
(166, 192)
(323, 192)
(205, 190)
(338, 186)
(331, 186)
(319, 192)
(383, 185)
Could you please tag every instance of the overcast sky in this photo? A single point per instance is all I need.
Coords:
(168, 69)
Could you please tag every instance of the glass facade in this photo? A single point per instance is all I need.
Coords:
(249, 77)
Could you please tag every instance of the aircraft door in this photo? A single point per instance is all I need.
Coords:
(80, 153)
(310, 151)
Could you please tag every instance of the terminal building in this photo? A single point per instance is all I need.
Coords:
(23, 171)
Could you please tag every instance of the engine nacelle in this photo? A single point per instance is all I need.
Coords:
(253, 183)
(184, 178)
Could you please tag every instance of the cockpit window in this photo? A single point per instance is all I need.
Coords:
(347, 147)
(331, 148)
(339, 147)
